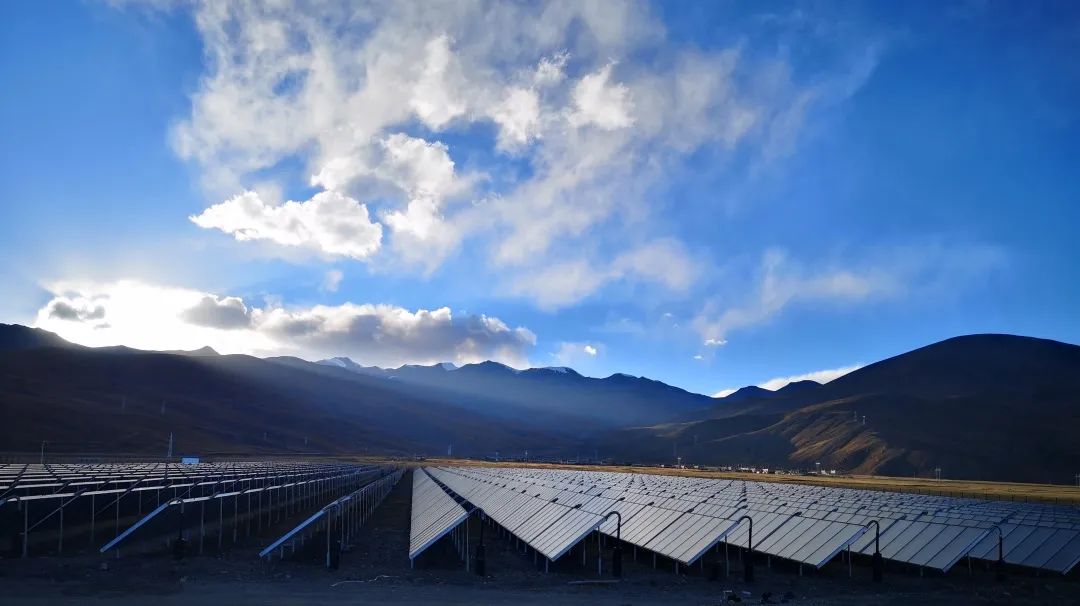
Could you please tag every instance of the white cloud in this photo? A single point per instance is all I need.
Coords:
(434, 98)
(600, 102)
(421, 233)
(518, 117)
(226, 313)
(592, 97)
(416, 167)
(926, 269)
(329, 223)
(821, 376)
(551, 70)
(148, 316)
(571, 353)
(332, 280)
(661, 261)
(782, 282)
(560, 284)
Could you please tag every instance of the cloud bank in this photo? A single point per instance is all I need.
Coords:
(148, 316)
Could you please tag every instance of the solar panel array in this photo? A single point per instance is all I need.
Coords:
(34, 498)
(34, 482)
(682, 518)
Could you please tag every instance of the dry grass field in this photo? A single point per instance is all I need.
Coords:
(1007, 491)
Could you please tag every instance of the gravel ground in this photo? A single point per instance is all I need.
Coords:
(376, 570)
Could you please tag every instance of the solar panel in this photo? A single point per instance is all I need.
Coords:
(434, 514)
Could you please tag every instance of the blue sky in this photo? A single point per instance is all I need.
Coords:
(710, 194)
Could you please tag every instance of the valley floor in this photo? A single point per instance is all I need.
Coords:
(376, 570)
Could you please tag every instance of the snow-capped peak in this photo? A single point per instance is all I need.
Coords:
(339, 361)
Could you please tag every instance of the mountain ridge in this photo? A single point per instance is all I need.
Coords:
(978, 406)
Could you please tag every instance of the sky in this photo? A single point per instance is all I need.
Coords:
(712, 194)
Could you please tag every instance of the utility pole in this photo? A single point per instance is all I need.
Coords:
(43, 443)
(818, 465)
(450, 450)
(170, 445)
(937, 473)
(526, 455)
(864, 419)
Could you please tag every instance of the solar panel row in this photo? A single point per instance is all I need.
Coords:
(434, 514)
(34, 498)
(533, 514)
(681, 518)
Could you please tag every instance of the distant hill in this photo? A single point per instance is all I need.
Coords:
(14, 337)
(549, 397)
(84, 399)
(978, 406)
(123, 399)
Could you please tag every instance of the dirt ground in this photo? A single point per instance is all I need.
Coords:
(376, 570)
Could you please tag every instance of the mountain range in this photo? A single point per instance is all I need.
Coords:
(977, 406)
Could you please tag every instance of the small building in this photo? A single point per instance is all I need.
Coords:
(189, 460)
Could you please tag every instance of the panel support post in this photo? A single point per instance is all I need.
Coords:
(748, 564)
(878, 561)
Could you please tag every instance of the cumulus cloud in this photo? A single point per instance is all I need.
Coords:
(600, 102)
(76, 309)
(414, 166)
(518, 117)
(591, 98)
(820, 376)
(227, 313)
(329, 223)
(386, 334)
(154, 317)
